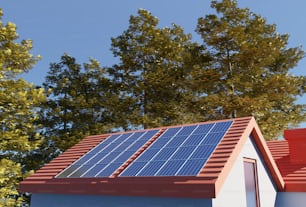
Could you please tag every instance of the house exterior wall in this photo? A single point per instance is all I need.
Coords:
(290, 199)
(56, 200)
(233, 190)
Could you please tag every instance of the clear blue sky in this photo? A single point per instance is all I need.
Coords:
(83, 28)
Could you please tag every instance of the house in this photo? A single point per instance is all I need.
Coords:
(212, 164)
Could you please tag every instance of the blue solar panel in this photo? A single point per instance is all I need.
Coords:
(179, 151)
(178, 141)
(152, 167)
(93, 171)
(171, 132)
(170, 167)
(195, 140)
(183, 153)
(186, 130)
(108, 156)
(192, 167)
(164, 153)
(202, 152)
(203, 129)
(221, 127)
(148, 155)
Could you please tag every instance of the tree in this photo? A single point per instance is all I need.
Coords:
(151, 74)
(77, 102)
(249, 70)
(18, 111)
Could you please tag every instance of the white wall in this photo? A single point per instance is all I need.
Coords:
(233, 190)
(54, 200)
(291, 199)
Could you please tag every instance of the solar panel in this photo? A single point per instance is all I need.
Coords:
(180, 151)
(104, 159)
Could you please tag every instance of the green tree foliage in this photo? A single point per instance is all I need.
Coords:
(249, 70)
(242, 68)
(150, 78)
(18, 106)
(77, 101)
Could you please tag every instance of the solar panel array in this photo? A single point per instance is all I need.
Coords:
(179, 151)
(104, 159)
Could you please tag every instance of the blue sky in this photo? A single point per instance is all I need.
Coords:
(83, 29)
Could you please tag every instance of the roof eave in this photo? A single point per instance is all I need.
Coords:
(187, 187)
(267, 157)
(299, 186)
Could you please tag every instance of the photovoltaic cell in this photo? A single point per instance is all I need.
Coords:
(203, 129)
(171, 132)
(183, 153)
(164, 153)
(108, 156)
(152, 167)
(148, 155)
(180, 151)
(170, 167)
(192, 167)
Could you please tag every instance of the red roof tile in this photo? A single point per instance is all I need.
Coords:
(294, 174)
(206, 184)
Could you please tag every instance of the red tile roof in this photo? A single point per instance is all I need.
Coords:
(294, 174)
(206, 184)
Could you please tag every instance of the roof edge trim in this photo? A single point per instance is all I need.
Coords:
(267, 156)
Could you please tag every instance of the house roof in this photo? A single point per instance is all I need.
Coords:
(66, 174)
(293, 170)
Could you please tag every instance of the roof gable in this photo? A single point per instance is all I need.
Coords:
(205, 181)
